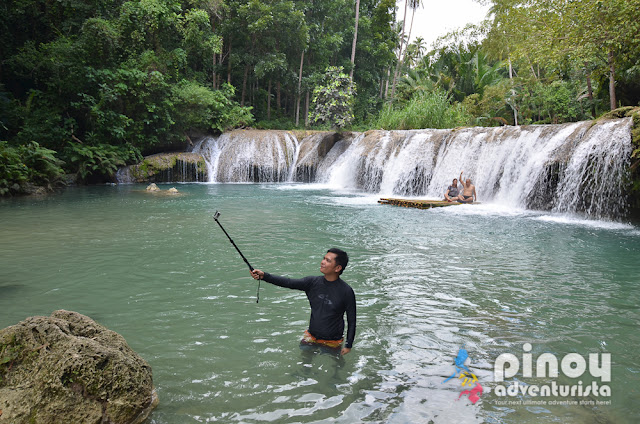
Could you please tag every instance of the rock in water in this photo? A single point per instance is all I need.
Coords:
(152, 187)
(173, 190)
(67, 368)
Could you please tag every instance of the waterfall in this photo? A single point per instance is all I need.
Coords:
(250, 156)
(578, 167)
(595, 176)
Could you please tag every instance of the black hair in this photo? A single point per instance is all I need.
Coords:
(342, 258)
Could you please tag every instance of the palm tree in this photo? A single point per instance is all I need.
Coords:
(395, 74)
(414, 52)
(355, 38)
(486, 74)
(416, 82)
(413, 4)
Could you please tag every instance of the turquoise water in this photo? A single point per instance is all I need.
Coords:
(157, 269)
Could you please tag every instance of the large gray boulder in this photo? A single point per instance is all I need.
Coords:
(67, 368)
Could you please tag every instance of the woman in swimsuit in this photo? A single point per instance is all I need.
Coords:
(451, 195)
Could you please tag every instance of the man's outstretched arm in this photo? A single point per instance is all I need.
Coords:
(290, 283)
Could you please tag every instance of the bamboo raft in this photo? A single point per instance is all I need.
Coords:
(416, 203)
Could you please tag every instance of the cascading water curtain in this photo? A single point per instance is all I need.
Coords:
(251, 156)
(593, 181)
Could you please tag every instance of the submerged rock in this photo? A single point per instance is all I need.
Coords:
(68, 368)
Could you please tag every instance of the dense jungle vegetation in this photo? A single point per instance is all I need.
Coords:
(87, 86)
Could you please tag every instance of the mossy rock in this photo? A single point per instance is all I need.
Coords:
(169, 167)
(68, 368)
(621, 112)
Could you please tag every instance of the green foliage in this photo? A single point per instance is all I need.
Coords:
(102, 159)
(425, 110)
(199, 41)
(29, 164)
(13, 171)
(40, 118)
(416, 82)
(275, 124)
(552, 103)
(94, 80)
(128, 105)
(492, 108)
(460, 69)
(201, 107)
(333, 99)
(546, 38)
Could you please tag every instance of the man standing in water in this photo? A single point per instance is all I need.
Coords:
(329, 298)
(468, 192)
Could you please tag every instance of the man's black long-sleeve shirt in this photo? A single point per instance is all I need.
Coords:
(329, 301)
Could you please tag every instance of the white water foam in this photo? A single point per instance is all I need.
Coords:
(579, 221)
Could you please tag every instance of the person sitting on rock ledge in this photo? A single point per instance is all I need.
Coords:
(468, 192)
(451, 195)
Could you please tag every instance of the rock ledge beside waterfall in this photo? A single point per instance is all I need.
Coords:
(68, 368)
(164, 168)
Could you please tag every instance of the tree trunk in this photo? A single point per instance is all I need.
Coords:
(355, 38)
(515, 111)
(285, 102)
(229, 63)
(395, 74)
(413, 13)
(244, 84)
(590, 89)
(386, 84)
(612, 82)
(269, 100)
(306, 111)
(278, 97)
(219, 76)
(213, 74)
(255, 88)
(298, 94)
(510, 69)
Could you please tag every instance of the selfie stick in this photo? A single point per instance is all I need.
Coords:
(215, 217)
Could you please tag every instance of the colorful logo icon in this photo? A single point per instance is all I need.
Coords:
(468, 378)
